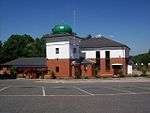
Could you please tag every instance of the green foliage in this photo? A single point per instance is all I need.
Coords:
(36, 48)
(96, 71)
(85, 77)
(13, 72)
(1, 49)
(53, 75)
(142, 58)
(121, 73)
(21, 46)
(144, 71)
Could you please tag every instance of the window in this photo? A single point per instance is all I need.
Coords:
(57, 50)
(107, 60)
(98, 59)
(97, 54)
(74, 50)
(57, 69)
(107, 54)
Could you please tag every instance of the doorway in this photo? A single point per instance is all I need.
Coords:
(117, 69)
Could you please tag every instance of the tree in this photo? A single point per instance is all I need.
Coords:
(36, 48)
(142, 58)
(0, 45)
(149, 51)
(14, 47)
(1, 49)
(21, 46)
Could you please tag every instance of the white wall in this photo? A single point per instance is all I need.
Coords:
(113, 53)
(89, 54)
(129, 70)
(65, 50)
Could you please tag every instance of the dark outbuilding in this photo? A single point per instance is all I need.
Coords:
(33, 67)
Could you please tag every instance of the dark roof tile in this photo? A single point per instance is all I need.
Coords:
(27, 62)
(99, 43)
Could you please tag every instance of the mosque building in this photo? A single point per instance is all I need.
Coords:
(70, 56)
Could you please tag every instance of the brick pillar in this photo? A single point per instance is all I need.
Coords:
(103, 71)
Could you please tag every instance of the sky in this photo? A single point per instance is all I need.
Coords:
(126, 21)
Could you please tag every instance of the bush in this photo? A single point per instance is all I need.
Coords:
(53, 75)
(77, 75)
(144, 70)
(135, 75)
(5, 76)
(97, 76)
(143, 75)
(121, 74)
(96, 71)
(13, 72)
(85, 77)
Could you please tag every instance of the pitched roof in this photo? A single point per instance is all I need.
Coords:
(62, 37)
(27, 62)
(100, 42)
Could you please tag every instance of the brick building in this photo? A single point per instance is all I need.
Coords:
(34, 67)
(68, 55)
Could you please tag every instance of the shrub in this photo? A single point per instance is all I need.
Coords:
(53, 75)
(144, 71)
(96, 70)
(135, 75)
(121, 74)
(85, 77)
(13, 72)
(77, 75)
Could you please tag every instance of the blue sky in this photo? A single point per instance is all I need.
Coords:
(127, 21)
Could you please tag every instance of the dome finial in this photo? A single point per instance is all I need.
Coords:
(61, 29)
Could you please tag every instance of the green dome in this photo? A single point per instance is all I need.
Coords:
(61, 29)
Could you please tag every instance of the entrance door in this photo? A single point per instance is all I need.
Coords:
(117, 69)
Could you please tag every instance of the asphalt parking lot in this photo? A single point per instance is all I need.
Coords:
(31, 96)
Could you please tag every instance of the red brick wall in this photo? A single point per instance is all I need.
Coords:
(104, 72)
(87, 70)
(64, 67)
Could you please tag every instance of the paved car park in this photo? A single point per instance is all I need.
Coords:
(32, 96)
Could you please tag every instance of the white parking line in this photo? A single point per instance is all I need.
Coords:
(43, 90)
(83, 90)
(122, 90)
(4, 88)
(108, 94)
(111, 94)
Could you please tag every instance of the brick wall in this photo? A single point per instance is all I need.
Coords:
(104, 72)
(87, 70)
(64, 67)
